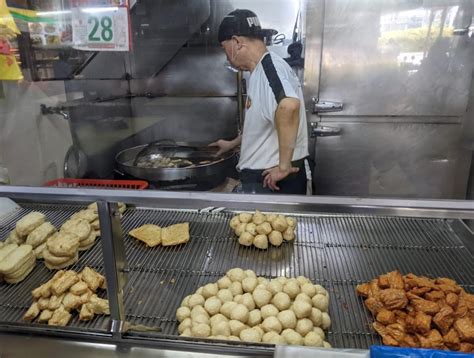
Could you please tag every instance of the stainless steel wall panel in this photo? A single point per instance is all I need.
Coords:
(393, 160)
(195, 119)
(195, 71)
(389, 58)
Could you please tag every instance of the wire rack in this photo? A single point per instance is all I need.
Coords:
(15, 299)
(337, 252)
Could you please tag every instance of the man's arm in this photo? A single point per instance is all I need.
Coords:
(286, 123)
(227, 145)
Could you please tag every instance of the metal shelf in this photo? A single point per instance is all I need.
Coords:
(335, 250)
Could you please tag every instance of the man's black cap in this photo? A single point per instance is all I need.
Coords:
(240, 22)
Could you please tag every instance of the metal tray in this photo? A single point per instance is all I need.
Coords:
(336, 251)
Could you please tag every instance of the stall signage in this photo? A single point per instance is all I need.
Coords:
(103, 28)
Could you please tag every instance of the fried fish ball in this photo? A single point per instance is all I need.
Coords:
(209, 290)
(304, 326)
(251, 274)
(249, 284)
(321, 290)
(198, 310)
(234, 222)
(264, 228)
(319, 331)
(251, 228)
(274, 287)
(291, 222)
(279, 224)
(261, 242)
(224, 282)
(321, 302)
(201, 330)
(282, 279)
(185, 324)
(250, 335)
(308, 289)
(200, 319)
(236, 274)
(236, 288)
(262, 280)
(217, 318)
(213, 305)
(302, 309)
(292, 337)
(182, 313)
(185, 301)
(240, 229)
(221, 328)
(238, 298)
(227, 307)
(312, 339)
(292, 288)
(275, 238)
(302, 280)
(316, 317)
(247, 300)
(289, 234)
(269, 311)
(282, 301)
(225, 295)
(255, 318)
(236, 327)
(258, 218)
(261, 297)
(271, 324)
(273, 338)
(326, 321)
(271, 217)
(186, 333)
(195, 300)
(245, 217)
(326, 345)
(287, 319)
(240, 313)
(303, 297)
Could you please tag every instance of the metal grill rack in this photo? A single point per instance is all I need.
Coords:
(336, 251)
(15, 299)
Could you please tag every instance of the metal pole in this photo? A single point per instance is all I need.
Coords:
(115, 264)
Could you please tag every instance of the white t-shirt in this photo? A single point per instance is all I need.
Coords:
(270, 81)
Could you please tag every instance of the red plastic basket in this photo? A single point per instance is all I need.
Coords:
(98, 183)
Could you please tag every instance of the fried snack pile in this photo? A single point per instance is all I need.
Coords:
(259, 229)
(154, 235)
(78, 233)
(33, 229)
(16, 262)
(66, 292)
(243, 307)
(416, 311)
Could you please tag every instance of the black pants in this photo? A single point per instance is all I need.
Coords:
(252, 181)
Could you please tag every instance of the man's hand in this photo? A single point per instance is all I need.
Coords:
(275, 174)
(226, 145)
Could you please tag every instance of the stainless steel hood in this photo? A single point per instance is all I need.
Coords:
(159, 29)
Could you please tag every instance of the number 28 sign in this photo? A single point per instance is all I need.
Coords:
(101, 28)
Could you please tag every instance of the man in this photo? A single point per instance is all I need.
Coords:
(274, 141)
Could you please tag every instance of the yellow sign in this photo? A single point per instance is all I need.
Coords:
(9, 69)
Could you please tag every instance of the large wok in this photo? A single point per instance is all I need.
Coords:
(218, 166)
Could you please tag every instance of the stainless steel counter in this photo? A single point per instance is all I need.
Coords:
(341, 242)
